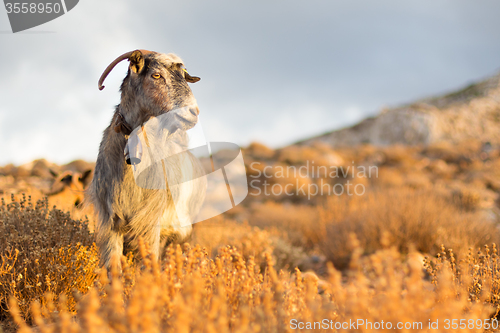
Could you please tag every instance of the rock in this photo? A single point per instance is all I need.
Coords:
(470, 113)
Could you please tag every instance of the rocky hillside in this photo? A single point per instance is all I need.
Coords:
(470, 113)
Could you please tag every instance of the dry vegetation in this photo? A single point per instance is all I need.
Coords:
(404, 218)
(43, 251)
(189, 292)
(419, 245)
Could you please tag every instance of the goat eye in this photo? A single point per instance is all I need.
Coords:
(156, 76)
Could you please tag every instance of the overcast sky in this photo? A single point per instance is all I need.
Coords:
(272, 71)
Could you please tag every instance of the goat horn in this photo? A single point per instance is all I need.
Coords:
(115, 62)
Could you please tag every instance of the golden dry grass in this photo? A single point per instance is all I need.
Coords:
(219, 288)
(431, 202)
(189, 292)
(42, 250)
(403, 218)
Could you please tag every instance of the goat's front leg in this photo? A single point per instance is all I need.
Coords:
(110, 241)
(153, 239)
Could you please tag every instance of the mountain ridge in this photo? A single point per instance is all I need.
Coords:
(472, 112)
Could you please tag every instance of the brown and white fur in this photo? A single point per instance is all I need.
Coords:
(156, 83)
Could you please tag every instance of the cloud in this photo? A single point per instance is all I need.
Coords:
(273, 72)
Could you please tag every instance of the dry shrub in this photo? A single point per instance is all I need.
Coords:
(397, 217)
(189, 292)
(15, 171)
(440, 169)
(452, 152)
(320, 154)
(479, 271)
(259, 151)
(250, 241)
(403, 157)
(401, 218)
(466, 198)
(363, 152)
(299, 221)
(65, 200)
(297, 155)
(390, 177)
(43, 251)
(14, 193)
(418, 180)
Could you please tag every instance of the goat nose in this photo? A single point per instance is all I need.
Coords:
(195, 111)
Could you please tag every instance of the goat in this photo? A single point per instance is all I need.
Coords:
(65, 190)
(68, 188)
(155, 85)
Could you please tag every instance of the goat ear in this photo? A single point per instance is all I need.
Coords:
(67, 179)
(191, 79)
(53, 173)
(85, 175)
(136, 61)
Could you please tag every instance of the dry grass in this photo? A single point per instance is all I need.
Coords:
(250, 241)
(299, 221)
(42, 251)
(241, 277)
(239, 288)
(402, 218)
(189, 292)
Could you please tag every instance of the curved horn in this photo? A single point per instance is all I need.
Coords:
(115, 62)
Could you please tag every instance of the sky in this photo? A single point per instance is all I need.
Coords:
(272, 71)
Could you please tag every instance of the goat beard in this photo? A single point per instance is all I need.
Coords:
(160, 129)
